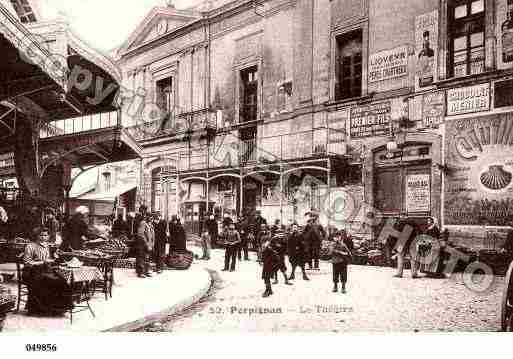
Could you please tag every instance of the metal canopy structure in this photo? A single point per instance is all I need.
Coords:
(58, 104)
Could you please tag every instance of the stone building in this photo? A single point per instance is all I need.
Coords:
(284, 105)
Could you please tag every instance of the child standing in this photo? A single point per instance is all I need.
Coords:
(269, 264)
(205, 245)
(341, 256)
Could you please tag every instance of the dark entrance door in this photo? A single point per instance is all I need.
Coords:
(403, 189)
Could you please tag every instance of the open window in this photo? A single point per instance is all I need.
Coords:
(248, 94)
(349, 64)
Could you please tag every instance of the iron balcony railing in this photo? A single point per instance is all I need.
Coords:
(77, 125)
(227, 151)
(172, 125)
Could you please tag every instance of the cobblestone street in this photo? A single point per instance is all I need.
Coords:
(375, 301)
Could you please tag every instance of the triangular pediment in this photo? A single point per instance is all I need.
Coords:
(158, 22)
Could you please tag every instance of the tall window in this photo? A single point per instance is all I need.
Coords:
(466, 37)
(156, 190)
(348, 81)
(24, 11)
(165, 94)
(166, 101)
(107, 180)
(249, 94)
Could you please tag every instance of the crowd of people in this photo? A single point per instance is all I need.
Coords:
(274, 243)
(155, 238)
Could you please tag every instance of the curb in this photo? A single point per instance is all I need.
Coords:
(149, 319)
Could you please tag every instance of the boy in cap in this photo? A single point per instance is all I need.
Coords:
(340, 258)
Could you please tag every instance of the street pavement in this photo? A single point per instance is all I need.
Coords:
(135, 303)
(375, 301)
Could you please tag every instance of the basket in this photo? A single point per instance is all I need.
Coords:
(180, 260)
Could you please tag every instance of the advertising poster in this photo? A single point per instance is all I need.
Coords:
(426, 45)
(370, 120)
(433, 109)
(418, 194)
(478, 181)
(388, 64)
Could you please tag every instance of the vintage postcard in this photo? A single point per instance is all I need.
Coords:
(201, 166)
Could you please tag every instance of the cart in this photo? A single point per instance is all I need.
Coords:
(507, 302)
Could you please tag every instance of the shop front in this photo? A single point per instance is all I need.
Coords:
(406, 181)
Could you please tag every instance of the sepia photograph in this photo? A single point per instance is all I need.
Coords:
(255, 166)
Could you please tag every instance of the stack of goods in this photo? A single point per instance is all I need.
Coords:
(375, 257)
(114, 247)
(180, 260)
(88, 257)
(360, 251)
(7, 302)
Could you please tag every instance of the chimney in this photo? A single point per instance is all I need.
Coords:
(170, 4)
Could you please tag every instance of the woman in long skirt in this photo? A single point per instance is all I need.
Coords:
(46, 288)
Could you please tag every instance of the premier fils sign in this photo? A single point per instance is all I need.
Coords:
(388, 64)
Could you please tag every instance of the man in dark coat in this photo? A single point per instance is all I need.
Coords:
(270, 262)
(296, 251)
(177, 236)
(259, 221)
(144, 246)
(159, 249)
(314, 234)
(244, 232)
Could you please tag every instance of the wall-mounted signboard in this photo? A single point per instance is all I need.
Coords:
(370, 120)
(468, 99)
(418, 193)
(388, 64)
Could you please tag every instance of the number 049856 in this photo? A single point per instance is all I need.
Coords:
(41, 347)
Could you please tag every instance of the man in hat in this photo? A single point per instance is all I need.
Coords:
(159, 251)
(144, 246)
(314, 235)
(296, 251)
(77, 230)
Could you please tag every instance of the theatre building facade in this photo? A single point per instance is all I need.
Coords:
(284, 105)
